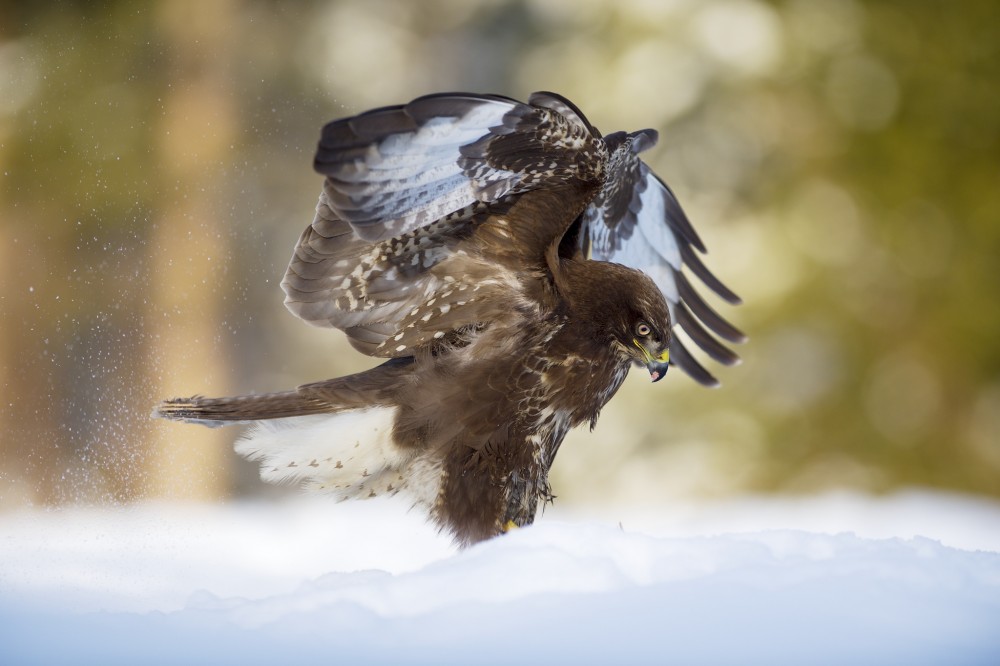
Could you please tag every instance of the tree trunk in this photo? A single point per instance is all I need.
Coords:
(189, 244)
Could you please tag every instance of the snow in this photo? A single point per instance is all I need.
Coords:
(912, 578)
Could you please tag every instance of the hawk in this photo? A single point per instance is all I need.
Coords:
(511, 263)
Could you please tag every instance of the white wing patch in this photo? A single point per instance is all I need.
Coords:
(651, 222)
(643, 257)
(410, 178)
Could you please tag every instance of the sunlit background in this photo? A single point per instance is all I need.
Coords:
(841, 160)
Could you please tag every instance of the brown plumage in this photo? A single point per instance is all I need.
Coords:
(511, 263)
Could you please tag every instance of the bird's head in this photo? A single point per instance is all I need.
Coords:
(624, 307)
(641, 326)
(651, 347)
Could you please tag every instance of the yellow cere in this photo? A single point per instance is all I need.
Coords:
(662, 358)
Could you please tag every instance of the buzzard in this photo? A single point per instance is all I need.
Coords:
(511, 263)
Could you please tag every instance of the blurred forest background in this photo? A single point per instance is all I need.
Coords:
(841, 160)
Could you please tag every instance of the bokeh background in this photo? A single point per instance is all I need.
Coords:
(841, 160)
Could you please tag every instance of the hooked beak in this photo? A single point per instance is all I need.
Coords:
(657, 369)
(657, 365)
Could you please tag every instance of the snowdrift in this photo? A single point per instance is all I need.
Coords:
(291, 582)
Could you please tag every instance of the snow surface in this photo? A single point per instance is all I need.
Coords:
(750, 581)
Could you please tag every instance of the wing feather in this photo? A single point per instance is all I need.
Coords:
(637, 221)
(395, 255)
(394, 169)
(388, 257)
(682, 358)
(705, 312)
(694, 262)
(701, 337)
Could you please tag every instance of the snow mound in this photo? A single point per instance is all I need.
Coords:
(558, 592)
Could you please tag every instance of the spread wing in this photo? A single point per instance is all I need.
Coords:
(409, 242)
(636, 220)
(415, 196)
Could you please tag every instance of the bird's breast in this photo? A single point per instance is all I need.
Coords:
(580, 385)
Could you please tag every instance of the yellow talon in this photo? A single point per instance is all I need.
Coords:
(509, 525)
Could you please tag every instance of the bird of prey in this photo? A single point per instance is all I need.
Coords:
(511, 263)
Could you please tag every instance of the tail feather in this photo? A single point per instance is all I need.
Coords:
(370, 388)
(334, 436)
(214, 412)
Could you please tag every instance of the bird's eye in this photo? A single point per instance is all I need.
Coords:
(643, 329)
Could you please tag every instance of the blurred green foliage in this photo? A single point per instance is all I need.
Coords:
(841, 159)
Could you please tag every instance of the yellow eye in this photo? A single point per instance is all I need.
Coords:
(643, 329)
